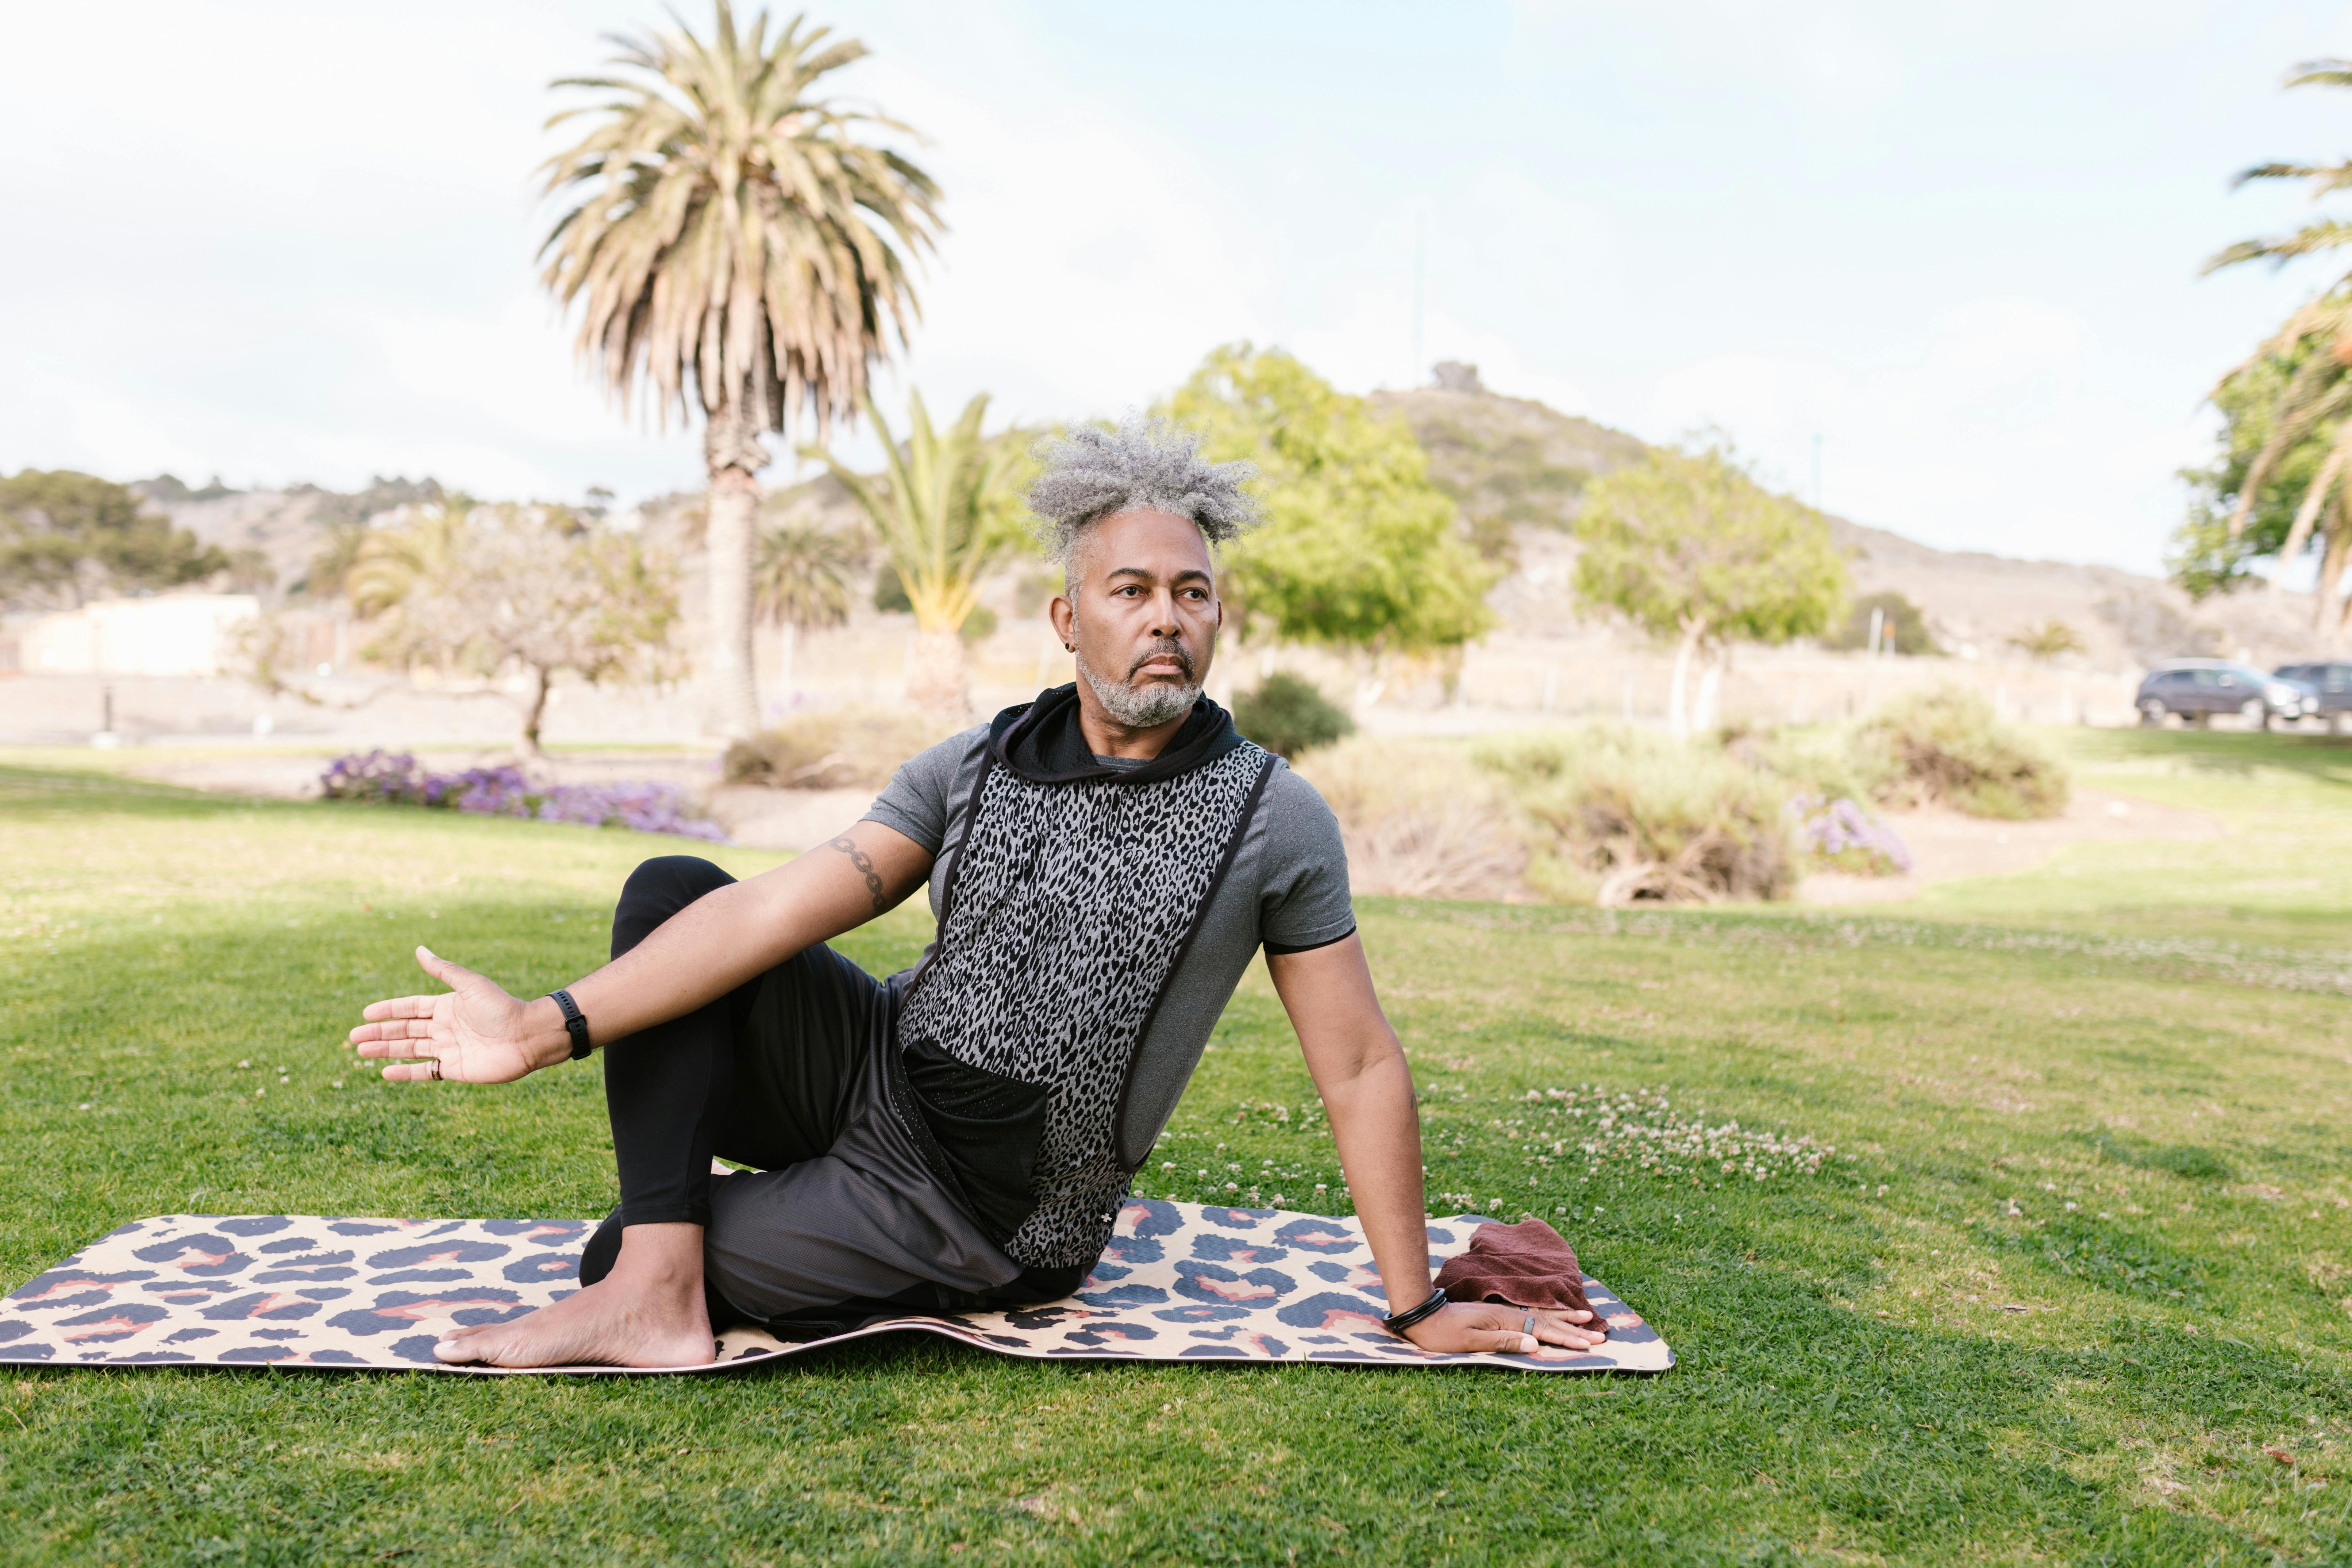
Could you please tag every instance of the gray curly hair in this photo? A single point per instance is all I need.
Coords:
(1093, 473)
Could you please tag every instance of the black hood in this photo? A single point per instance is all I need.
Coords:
(1040, 742)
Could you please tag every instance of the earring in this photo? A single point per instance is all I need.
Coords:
(1069, 647)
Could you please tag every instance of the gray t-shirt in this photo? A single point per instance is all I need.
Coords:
(1286, 890)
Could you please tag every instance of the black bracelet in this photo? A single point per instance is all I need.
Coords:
(575, 1023)
(1404, 1320)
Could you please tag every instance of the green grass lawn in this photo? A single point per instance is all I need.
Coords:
(2075, 1288)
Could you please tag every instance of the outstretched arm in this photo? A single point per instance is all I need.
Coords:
(1360, 1070)
(479, 1034)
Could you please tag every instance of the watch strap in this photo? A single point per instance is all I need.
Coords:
(575, 1022)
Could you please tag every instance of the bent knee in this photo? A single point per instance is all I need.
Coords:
(657, 889)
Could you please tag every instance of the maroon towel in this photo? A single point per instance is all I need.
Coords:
(1524, 1265)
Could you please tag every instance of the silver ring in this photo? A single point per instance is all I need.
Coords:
(436, 1075)
(1528, 1326)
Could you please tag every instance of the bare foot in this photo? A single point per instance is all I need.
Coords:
(648, 1313)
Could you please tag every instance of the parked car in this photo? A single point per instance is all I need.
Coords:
(2197, 688)
(2330, 686)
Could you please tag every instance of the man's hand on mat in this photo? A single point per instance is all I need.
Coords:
(1486, 1326)
(475, 1031)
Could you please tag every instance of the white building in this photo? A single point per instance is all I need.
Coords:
(171, 633)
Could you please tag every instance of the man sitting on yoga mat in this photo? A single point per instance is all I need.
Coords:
(1103, 863)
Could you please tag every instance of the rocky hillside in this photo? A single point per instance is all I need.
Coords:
(1518, 469)
(1509, 463)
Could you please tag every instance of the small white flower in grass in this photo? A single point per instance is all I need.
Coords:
(2072, 1205)
(246, 1064)
(1233, 1187)
(1167, 1165)
(85, 1105)
(338, 1083)
(283, 1079)
(1321, 1187)
(259, 1092)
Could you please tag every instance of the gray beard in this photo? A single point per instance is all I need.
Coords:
(1141, 707)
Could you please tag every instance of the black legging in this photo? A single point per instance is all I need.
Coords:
(762, 1077)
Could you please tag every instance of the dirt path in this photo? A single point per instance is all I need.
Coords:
(1945, 844)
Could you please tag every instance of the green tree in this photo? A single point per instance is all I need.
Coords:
(946, 507)
(535, 590)
(1688, 546)
(65, 536)
(734, 240)
(2279, 483)
(801, 579)
(1902, 625)
(1360, 550)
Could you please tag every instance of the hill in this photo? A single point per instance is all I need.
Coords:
(1518, 470)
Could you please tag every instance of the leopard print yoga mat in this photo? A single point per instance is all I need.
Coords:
(1179, 1282)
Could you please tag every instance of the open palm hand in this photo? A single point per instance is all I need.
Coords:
(474, 1032)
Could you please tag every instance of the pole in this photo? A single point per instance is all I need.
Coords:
(1420, 245)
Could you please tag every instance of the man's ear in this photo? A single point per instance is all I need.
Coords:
(1064, 615)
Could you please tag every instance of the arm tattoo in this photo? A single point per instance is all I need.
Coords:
(865, 862)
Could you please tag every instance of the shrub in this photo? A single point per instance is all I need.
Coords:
(395, 778)
(1289, 715)
(1947, 746)
(1624, 816)
(843, 749)
(1902, 628)
(1420, 822)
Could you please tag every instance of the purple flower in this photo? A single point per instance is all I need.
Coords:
(1844, 835)
(510, 792)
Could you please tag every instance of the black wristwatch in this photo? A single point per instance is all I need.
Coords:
(575, 1022)
(1404, 1320)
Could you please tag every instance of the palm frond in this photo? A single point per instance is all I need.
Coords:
(2321, 73)
(2313, 238)
(934, 506)
(730, 237)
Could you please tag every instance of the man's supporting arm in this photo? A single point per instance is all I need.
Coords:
(1360, 1070)
(479, 1034)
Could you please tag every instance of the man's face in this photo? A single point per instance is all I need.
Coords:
(1141, 610)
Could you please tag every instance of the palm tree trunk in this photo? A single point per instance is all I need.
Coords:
(732, 448)
(935, 674)
(784, 675)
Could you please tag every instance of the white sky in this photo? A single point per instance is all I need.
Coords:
(285, 241)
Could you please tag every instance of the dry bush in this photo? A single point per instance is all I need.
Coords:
(1420, 821)
(848, 748)
(1624, 816)
(1947, 746)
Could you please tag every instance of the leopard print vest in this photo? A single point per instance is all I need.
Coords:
(1068, 911)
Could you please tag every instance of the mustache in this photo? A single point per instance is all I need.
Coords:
(1163, 648)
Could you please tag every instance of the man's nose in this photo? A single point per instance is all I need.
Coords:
(1164, 620)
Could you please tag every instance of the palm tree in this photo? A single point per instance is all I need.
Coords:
(946, 507)
(731, 232)
(801, 578)
(2317, 398)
